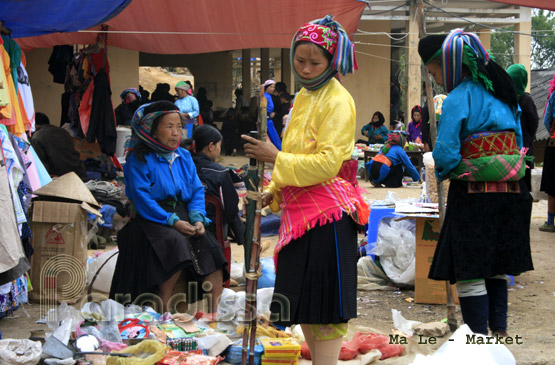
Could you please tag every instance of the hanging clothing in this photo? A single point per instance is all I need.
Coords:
(27, 104)
(59, 60)
(102, 127)
(13, 262)
(15, 172)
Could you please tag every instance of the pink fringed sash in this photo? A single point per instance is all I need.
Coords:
(305, 207)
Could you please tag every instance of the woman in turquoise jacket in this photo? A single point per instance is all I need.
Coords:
(375, 130)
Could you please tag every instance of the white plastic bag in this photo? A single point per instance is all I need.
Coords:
(458, 351)
(403, 324)
(396, 246)
(104, 279)
(20, 352)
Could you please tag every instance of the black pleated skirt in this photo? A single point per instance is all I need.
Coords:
(313, 284)
(150, 253)
(483, 235)
(548, 173)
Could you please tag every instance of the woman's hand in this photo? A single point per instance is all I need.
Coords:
(260, 150)
(199, 227)
(267, 198)
(186, 228)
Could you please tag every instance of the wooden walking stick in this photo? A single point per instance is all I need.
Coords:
(254, 182)
(451, 320)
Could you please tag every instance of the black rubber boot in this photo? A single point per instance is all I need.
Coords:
(498, 298)
(475, 312)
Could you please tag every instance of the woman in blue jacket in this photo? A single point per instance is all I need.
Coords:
(387, 168)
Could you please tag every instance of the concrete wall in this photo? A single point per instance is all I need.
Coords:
(124, 73)
(212, 71)
(369, 86)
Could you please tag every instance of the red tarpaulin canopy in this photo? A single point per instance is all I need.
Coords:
(540, 4)
(193, 26)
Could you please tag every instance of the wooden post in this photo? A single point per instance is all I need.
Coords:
(413, 62)
(451, 320)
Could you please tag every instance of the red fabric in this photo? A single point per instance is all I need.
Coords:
(540, 4)
(85, 107)
(237, 24)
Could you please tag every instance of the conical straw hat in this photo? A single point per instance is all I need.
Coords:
(68, 186)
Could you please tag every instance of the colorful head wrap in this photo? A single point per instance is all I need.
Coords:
(141, 126)
(393, 139)
(132, 91)
(184, 86)
(519, 74)
(331, 36)
(460, 48)
(418, 109)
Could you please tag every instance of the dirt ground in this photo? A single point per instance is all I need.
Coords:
(531, 299)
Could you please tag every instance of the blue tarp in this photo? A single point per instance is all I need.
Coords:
(29, 18)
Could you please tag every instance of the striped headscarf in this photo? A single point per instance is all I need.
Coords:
(330, 36)
(141, 126)
(460, 48)
(453, 52)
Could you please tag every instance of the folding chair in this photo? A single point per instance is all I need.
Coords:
(216, 202)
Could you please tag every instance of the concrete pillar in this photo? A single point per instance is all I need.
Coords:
(414, 74)
(264, 64)
(523, 42)
(246, 72)
(286, 73)
(485, 38)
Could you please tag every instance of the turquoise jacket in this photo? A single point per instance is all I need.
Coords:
(469, 109)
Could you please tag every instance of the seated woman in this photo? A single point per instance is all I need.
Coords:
(218, 180)
(166, 234)
(375, 130)
(386, 168)
(415, 125)
(130, 102)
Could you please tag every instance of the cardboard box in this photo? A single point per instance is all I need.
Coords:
(58, 266)
(426, 290)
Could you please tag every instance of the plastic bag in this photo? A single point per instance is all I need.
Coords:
(156, 349)
(20, 352)
(457, 351)
(396, 246)
(226, 307)
(268, 278)
(403, 324)
(103, 280)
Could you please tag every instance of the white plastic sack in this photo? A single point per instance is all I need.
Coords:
(396, 246)
(104, 279)
(460, 352)
(20, 352)
(232, 305)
